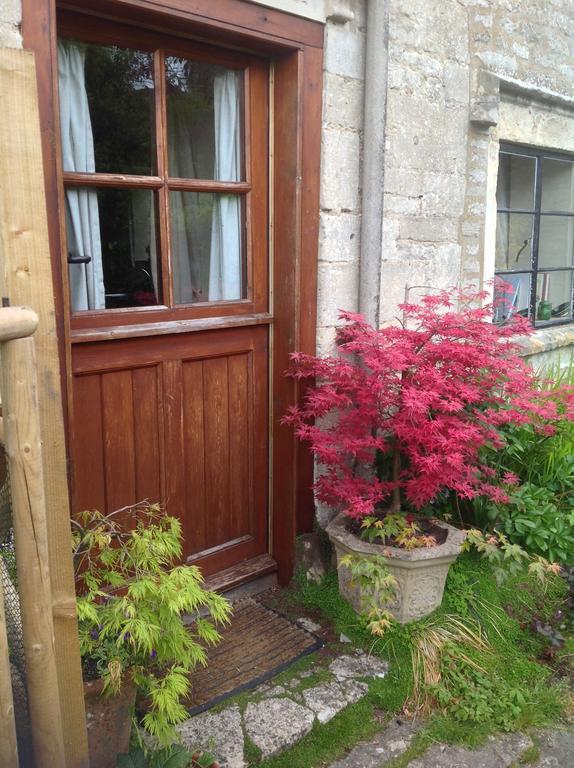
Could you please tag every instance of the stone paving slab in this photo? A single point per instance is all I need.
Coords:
(359, 665)
(275, 724)
(390, 743)
(329, 699)
(556, 748)
(498, 752)
(281, 715)
(220, 733)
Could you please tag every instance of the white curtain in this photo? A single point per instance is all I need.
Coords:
(225, 262)
(82, 216)
(180, 162)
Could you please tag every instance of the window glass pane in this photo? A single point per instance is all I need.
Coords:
(112, 248)
(554, 295)
(515, 183)
(511, 296)
(557, 185)
(207, 247)
(204, 116)
(106, 109)
(514, 241)
(556, 241)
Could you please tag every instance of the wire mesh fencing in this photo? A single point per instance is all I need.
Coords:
(9, 585)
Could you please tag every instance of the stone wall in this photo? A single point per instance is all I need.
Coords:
(441, 162)
(10, 18)
(340, 222)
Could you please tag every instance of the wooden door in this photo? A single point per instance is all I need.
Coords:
(165, 157)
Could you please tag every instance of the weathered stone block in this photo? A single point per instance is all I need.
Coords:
(312, 556)
(221, 733)
(10, 12)
(342, 102)
(345, 50)
(340, 170)
(274, 725)
(338, 288)
(339, 237)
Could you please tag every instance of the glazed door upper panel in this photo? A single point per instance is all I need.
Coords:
(167, 420)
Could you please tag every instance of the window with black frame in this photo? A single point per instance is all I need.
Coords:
(535, 235)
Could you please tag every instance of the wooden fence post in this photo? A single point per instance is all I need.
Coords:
(26, 278)
(24, 451)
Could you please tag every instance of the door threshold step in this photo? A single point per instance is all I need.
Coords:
(243, 573)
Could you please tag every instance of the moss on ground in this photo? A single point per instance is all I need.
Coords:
(471, 593)
(326, 743)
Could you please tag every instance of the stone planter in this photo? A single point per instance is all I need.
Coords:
(108, 721)
(420, 573)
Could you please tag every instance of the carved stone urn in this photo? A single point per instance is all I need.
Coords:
(420, 573)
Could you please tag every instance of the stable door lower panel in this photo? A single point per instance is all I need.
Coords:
(183, 420)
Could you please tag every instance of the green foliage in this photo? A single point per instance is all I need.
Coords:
(132, 600)
(507, 559)
(326, 743)
(381, 529)
(406, 535)
(539, 519)
(505, 669)
(173, 756)
(377, 588)
(466, 692)
(540, 512)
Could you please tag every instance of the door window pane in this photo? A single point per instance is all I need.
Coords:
(107, 111)
(511, 296)
(514, 241)
(204, 115)
(557, 185)
(515, 184)
(207, 248)
(112, 248)
(556, 241)
(554, 295)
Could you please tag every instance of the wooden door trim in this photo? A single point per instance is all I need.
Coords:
(228, 21)
(169, 327)
(294, 45)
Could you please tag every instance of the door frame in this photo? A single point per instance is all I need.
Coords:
(294, 46)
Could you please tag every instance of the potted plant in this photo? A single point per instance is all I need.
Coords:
(398, 420)
(134, 607)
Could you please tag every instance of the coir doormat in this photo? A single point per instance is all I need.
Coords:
(257, 644)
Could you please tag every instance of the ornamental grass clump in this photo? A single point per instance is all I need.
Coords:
(404, 412)
(133, 602)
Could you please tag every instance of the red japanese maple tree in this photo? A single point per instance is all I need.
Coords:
(425, 396)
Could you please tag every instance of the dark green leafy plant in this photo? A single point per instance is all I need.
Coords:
(539, 513)
(132, 601)
(466, 692)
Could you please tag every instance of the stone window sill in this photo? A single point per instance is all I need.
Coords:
(547, 339)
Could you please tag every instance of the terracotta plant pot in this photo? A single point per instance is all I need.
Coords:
(420, 573)
(109, 722)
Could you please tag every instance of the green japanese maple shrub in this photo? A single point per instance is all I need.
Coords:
(140, 613)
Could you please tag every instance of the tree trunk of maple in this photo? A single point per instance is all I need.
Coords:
(396, 475)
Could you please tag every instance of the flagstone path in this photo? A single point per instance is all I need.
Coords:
(276, 716)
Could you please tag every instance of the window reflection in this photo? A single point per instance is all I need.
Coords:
(203, 120)
(207, 247)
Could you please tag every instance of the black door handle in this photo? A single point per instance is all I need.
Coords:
(75, 258)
